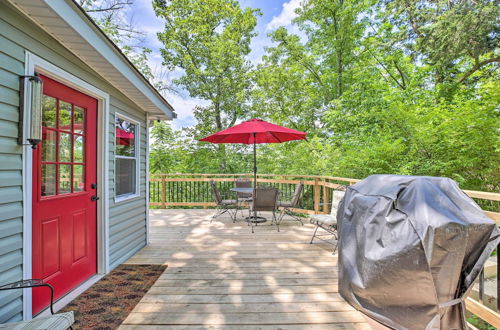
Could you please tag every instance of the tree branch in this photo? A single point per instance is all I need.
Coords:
(476, 67)
(387, 70)
(113, 7)
(403, 80)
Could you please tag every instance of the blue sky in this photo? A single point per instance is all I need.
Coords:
(275, 13)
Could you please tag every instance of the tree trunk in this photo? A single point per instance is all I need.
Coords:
(221, 147)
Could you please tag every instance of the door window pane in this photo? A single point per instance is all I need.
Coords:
(65, 116)
(64, 179)
(48, 179)
(78, 178)
(78, 149)
(125, 138)
(78, 120)
(49, 111)
(125, 176)
(64, 147)
(49, 138)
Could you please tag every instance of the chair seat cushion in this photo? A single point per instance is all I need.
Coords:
(326, 219)
(285, 204)
(228, 202)
(54, 322)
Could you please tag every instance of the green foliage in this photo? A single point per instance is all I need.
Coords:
(209, 40)
(479, 323)
(110, 16)
(399, 86)
(448, 34)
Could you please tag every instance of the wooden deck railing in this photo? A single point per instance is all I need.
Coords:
(188, 190)
(193, 190)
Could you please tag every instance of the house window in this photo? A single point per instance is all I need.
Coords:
(126, 157)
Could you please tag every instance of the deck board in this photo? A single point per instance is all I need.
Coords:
(221, 276)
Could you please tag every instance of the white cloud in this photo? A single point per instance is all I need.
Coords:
(184, 106)
(258, 48)
(286, 15)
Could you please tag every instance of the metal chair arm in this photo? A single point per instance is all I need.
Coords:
(31, 283)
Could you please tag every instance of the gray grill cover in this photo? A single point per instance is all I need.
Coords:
(409, 247)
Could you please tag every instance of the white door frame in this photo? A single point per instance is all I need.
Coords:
(34, 63)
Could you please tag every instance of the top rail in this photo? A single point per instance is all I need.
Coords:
(485, 195)
(320, 182)
(208, 175)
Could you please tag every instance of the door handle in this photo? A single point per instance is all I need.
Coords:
(94, 198)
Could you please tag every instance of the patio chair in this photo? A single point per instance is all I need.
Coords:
(58, 321)
(264, 199)
(243, 197)
(328, 222)
(228, 206)
(287, 206)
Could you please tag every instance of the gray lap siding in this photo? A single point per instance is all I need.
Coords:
(127, 220)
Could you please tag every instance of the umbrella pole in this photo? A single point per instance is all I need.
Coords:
(254, 172)
(254, 163)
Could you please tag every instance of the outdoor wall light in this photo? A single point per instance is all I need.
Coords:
(33, 92)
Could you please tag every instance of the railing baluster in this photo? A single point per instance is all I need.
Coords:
(171, 191)
(163, 192)
(156, 191)
(498, 279)
(481, 286)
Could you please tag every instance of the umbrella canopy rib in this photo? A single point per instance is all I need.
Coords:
(255, 131)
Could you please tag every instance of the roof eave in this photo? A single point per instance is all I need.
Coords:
(87, 41)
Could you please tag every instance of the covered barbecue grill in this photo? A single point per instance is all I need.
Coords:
(410, 249)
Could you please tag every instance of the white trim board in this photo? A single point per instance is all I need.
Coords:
(147, 178)
(137, 158)
(34, 63)
(72, 295)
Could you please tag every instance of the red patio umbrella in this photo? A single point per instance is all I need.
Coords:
(255, 131)
(123, 137)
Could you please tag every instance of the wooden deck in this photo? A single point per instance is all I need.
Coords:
(221, 276)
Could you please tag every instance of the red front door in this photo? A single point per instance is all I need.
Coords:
(64, 178)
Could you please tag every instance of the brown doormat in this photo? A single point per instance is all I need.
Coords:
(109, 301)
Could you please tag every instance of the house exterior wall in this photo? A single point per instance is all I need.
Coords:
(127, 219)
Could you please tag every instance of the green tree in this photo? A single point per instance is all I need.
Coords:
(457, 38)
(334, 31)
(166, 151)
(209, 41)
(398, 86)
(288, 87)
(111, 16)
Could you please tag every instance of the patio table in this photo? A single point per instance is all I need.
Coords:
(243, 190)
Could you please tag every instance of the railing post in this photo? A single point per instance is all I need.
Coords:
(326, 199)
(163, 192)
(316, 196)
